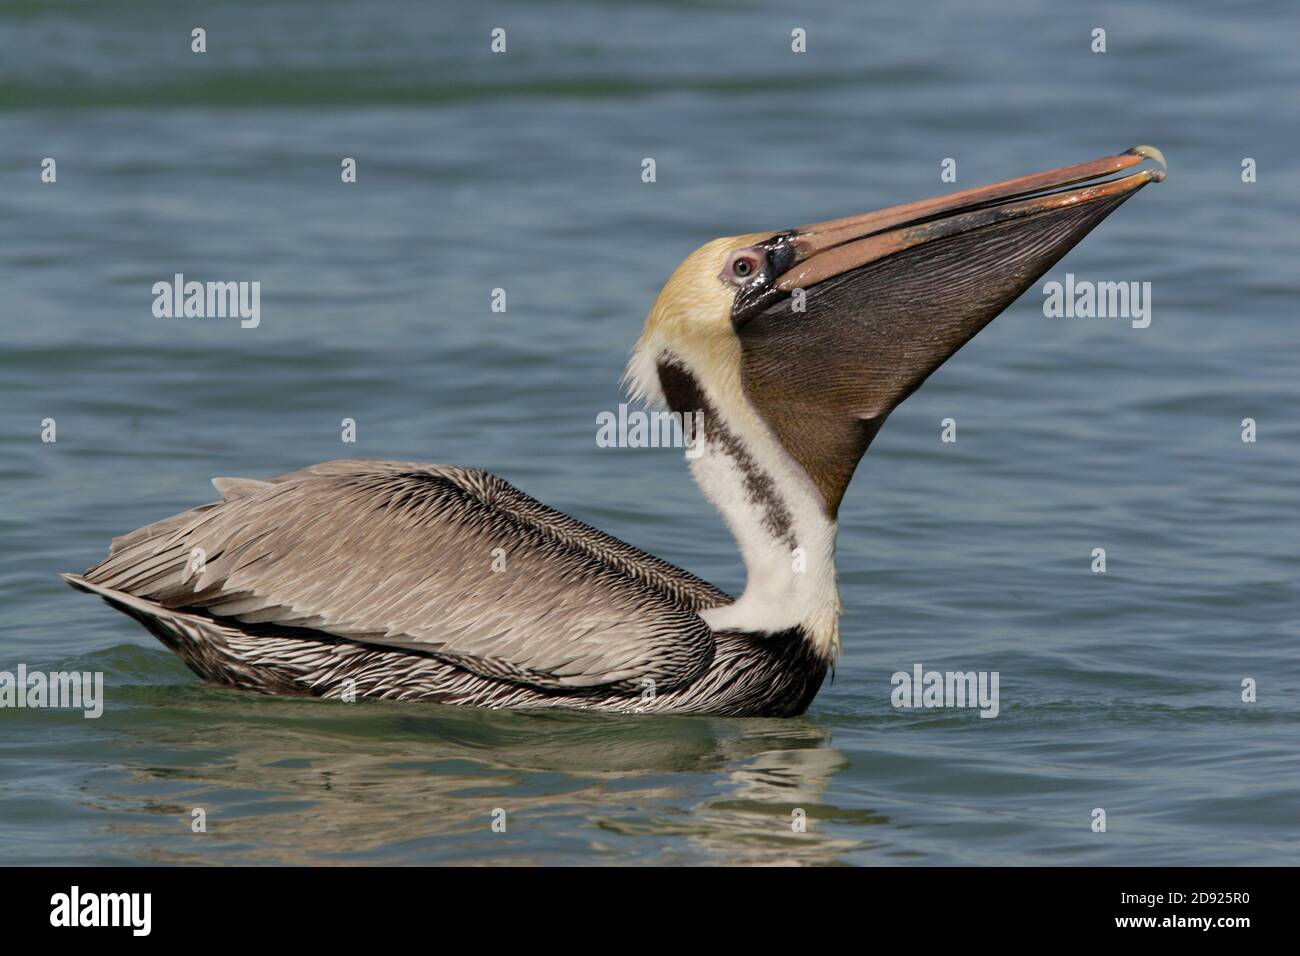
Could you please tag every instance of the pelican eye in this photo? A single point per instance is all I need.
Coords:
(743, 265)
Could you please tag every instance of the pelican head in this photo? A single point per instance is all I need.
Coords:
(793, 347)
(824, 329)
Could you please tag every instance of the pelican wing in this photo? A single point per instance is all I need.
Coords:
(450, 562)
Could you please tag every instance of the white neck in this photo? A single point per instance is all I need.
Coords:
(776, 515)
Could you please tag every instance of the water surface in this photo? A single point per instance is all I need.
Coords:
(1119, 691)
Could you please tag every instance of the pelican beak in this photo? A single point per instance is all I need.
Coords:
(861, 310)
(831, 248)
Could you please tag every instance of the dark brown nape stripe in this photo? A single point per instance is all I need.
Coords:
(683, 393)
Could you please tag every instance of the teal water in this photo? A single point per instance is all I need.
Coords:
(1119, 691)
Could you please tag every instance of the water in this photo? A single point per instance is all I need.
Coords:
(1119, 691)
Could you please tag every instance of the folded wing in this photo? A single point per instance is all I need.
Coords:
(437, 560)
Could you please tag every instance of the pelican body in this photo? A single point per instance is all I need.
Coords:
(406, 581)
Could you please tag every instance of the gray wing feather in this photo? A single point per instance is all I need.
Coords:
(401, 555)
(231, 488)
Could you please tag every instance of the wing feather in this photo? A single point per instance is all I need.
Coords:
(403, 555)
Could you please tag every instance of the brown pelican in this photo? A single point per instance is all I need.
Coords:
(381, 579)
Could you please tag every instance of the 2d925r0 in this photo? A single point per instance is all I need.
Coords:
(1218, 898)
